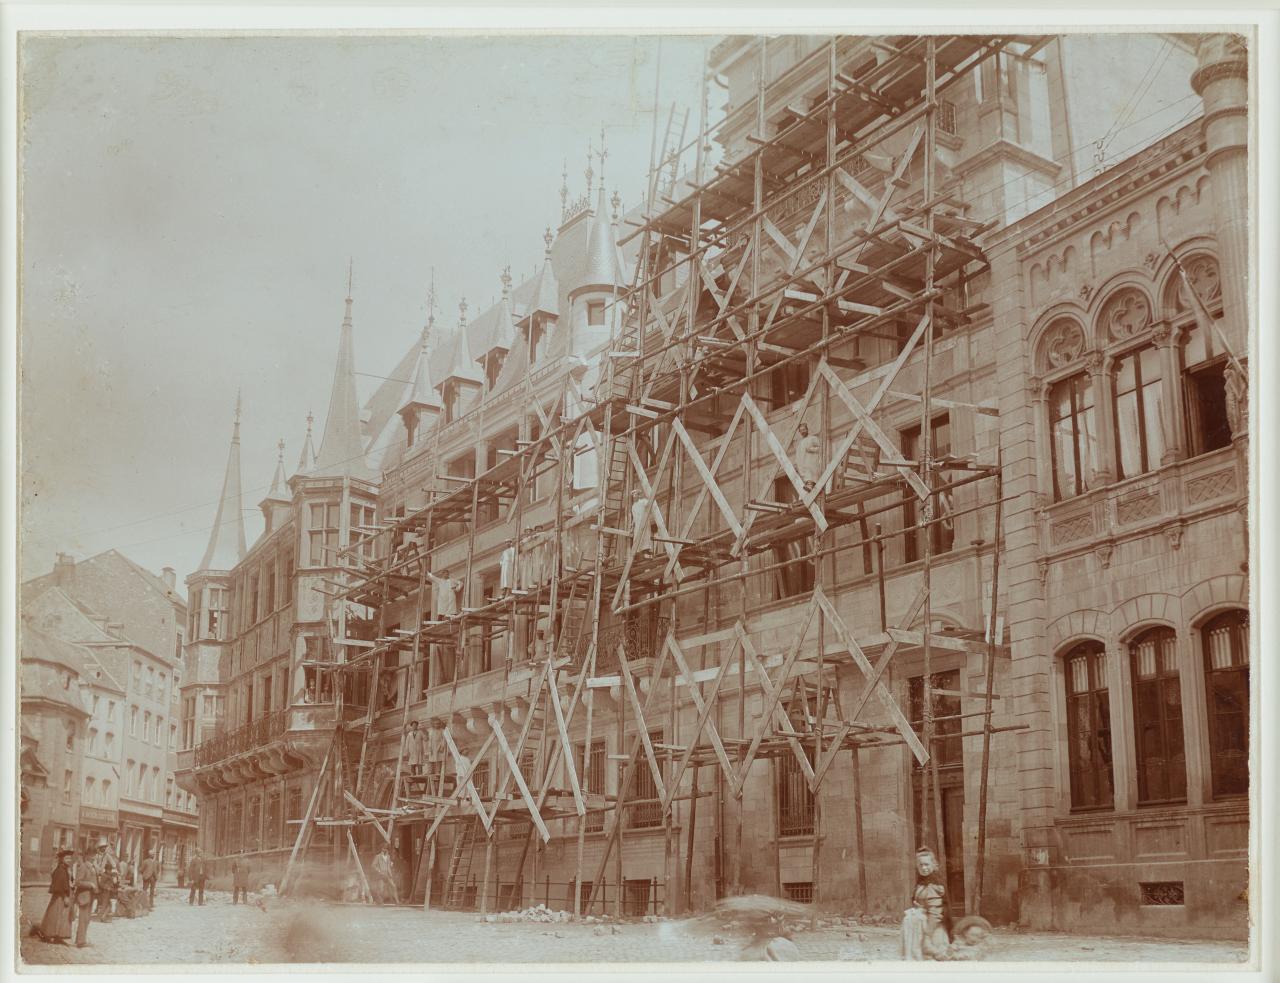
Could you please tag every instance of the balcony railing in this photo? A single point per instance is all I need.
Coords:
(639, 641)
(252, 735)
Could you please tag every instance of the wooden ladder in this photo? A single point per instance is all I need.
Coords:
(460, 864)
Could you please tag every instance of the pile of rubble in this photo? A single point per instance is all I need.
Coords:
(536, 913)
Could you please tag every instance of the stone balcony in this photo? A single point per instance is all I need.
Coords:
(279, 743)
(1164, 500)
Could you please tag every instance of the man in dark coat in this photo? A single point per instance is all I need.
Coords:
(108, 880)
(86, 887)
(196, 876)
(148, 870)
(239, 882)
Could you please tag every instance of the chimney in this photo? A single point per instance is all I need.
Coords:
(169, 577)
(64, 569)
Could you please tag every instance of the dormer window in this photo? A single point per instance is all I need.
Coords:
(595, 313)
(493, 368)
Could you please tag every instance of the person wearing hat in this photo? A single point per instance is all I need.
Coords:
(148, 871)
(197, 874)
(108, 880)
(56, 924)
(85, 876)
(924, 934)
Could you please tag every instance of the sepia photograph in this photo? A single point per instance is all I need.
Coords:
(637, 497)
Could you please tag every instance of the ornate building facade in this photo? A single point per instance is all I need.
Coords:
(1095, 348)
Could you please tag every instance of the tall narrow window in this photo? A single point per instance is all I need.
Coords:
(323, 535)
(217, 613)
(1226, 665)
(1073, 441)
(1157, 717)
(1139, 391)
(788, 383)
(643, 808)
(941, 529)
(593, 780)
(1205, 389)
(1089, 728)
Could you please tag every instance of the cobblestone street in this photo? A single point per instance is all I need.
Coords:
(299, 932)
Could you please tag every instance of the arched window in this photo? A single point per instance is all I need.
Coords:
(1089, 727)
(1225, 640)
(1157, 717)
(1139, 390)
(1073, 436)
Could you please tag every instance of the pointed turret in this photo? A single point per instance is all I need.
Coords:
(422, 403)
(226, 542)
(600, 271)
(342, 445)
(278, 499)
(497, 334)
(546, 291)
(462, 380)
(307, 460)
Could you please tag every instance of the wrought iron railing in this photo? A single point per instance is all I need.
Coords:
(252, 735)
(639, 639)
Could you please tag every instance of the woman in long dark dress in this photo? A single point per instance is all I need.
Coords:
(56, 924)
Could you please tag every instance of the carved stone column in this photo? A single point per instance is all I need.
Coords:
(1102, 373)
(1222, 82)
(1040, 418)
(1165, 340)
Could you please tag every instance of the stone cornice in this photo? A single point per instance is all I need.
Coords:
(1006, 149)
(1184, 149)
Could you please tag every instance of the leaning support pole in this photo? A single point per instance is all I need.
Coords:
(992, 641)
(304, 831)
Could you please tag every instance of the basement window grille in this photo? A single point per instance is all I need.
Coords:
(1163, 893)
(801, 891)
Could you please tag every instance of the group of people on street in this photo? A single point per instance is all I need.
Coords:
(81, 880)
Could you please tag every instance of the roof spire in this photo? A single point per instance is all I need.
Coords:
(548, 238)
(590, 174)
(226, 540)
(308, 459)
(602, 155)
(342, 444)
(462, 313)
(279, 485)
(506, 282)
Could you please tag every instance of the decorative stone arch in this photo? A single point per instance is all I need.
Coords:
(1195, 250)
(1137, 614)
(943, 618)
(1213, 596)
(1060, 340)
(1088, 623)
(1124, 310)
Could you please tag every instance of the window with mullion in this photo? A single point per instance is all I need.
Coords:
(1138, 395)
(1225, 641)
(1073, 440)
(1157, 718)
(1089, 728)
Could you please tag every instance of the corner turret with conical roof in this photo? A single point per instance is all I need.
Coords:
(497, 334)
(307, 460)
(342, 443)
(226, 540)
(595, 290)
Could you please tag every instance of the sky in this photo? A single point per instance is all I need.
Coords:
(189, 210)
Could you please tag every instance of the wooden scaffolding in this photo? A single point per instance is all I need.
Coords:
(762, 280)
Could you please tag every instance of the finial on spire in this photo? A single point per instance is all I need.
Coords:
(431, 301)
(310, 420)
(237, 406)
(548, 238)
(462, 312)
(280, 447)
(616, 201)
(564, 189)
(506, 281)
(590, 174)
(351, 263)
(602, 154)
